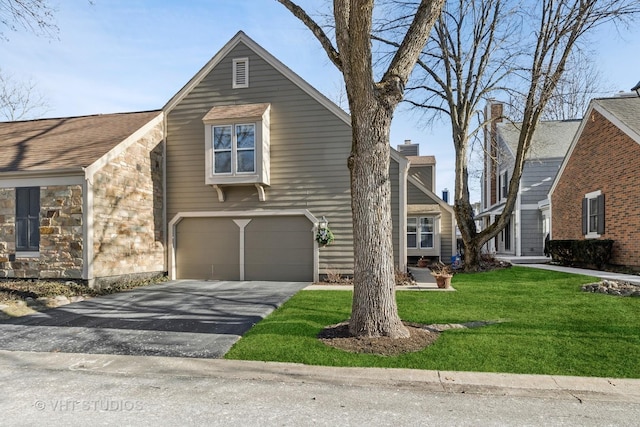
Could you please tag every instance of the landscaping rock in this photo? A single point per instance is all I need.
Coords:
(61, 300)
(611, 287)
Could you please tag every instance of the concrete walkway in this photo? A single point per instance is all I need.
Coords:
(424, 282)
(595, 273)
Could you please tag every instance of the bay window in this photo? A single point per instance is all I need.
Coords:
(421, 232)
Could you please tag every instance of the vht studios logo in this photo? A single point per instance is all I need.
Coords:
(102, 405)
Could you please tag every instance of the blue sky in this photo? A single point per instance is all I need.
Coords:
(133, 55)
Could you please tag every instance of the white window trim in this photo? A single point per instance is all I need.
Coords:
(261, 174)
(240, 85)
(27, 254)
(589, 197)
(234, 150)
(435, 232)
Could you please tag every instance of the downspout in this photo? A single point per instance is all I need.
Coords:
(402, 216)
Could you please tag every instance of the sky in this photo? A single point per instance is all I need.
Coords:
(134, 55)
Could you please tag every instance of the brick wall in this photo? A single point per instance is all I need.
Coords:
(608, 160)
(127, 209)
(60, 235)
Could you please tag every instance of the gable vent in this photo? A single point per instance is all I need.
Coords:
(240, 73)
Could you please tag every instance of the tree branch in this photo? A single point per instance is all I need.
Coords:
(317, 31)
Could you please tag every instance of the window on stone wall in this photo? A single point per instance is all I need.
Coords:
(27, 219)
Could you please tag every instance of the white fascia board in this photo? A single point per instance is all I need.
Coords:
(241, 37)
(72, 176)
(92, 169)
(431, 194)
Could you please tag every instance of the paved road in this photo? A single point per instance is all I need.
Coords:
(184, 318)
(74, 389)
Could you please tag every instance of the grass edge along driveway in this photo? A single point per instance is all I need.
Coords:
(549, 327)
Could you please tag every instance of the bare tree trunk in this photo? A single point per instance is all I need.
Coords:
(374, 311)
(374, 284)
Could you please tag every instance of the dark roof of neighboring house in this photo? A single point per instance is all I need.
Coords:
(65, 143)
(624, 108)
(551, 139)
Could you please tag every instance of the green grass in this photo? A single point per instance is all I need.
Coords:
(549, 327)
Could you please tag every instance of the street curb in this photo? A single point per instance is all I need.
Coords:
(541, 386)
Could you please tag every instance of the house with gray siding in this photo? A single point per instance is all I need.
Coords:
(231, 180)
(430, 220)
(529, 225)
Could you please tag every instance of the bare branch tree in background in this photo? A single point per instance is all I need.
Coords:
(20, 100)
(371, 103)
(484, 48)
(580, 83)
(36, 16)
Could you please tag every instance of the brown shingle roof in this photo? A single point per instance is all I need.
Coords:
(64, 143)
(421, 160)
(233, 112)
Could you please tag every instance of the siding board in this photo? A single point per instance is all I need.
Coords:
(309, 147)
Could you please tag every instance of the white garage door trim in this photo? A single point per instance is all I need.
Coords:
(173, 224)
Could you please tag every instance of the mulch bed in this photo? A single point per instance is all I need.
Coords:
(338, 336)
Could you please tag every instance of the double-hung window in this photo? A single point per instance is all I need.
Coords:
(237, 145)
(234, 149)
(27, 219)
(420, 232)
(593, 214)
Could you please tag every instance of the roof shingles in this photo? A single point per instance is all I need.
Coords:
(65, 143)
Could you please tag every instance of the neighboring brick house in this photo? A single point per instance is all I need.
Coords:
(528, 226)
(81, 197)
(595, 195)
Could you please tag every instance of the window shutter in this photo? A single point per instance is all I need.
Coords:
(601, 214)
(27, 218)
(506, 184)
(585, 216)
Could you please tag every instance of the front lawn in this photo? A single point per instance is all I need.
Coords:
(549, 326)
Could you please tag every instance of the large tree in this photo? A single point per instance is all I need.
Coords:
(481, 49)
(371, 103)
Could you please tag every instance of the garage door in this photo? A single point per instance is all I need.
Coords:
(278, 248)
(208, 249)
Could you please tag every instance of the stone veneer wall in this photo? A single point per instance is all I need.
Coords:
(127, 211)
(60, 235)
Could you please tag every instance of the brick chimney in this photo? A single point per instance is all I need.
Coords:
(494, 112)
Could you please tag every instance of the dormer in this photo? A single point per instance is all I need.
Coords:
(423, 168)
(237, 146)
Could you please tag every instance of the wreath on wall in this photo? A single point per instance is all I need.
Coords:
(324, 236)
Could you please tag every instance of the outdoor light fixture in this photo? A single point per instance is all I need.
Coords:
(323, 223)
(637, 89)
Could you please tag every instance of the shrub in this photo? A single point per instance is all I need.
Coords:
(587, 252)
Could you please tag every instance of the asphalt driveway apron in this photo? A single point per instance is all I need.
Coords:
(184, 318)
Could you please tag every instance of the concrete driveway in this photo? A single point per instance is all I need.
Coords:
(184, 318)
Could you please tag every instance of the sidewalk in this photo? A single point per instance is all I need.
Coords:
(553, 386)
(607, 275)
